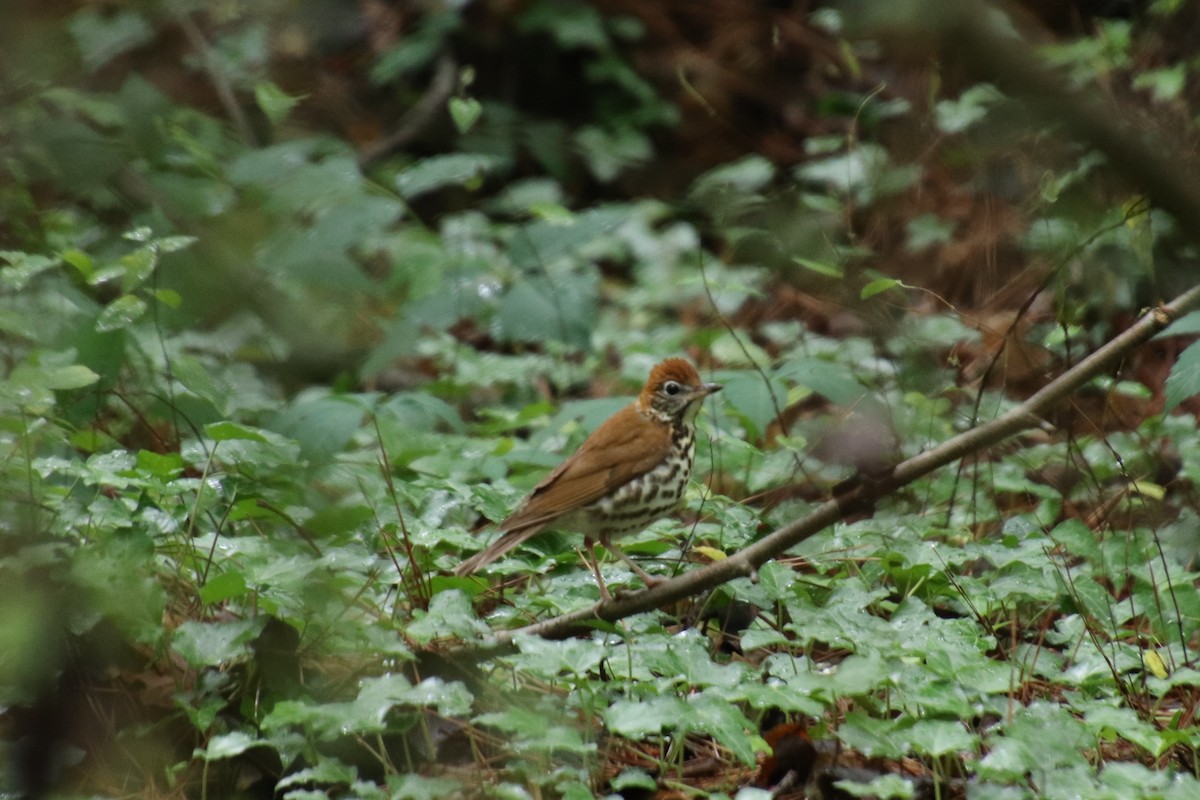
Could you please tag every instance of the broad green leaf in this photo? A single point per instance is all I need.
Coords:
(410, 786)
(776, 580)
(449, 614)
(209, 644)
(23, 267)
(1184, 379)
(882, 788)
(935, 737)
(326, 772)
(75, 376)
(160, 465)
(121, 313)
(635, 719)
(724, 722)
(956, 116)
(633, 778)
(751, 397)
(535, 730)
(826, 378)
(137, 267)
(102, 36)
(225, 431)
(274, 102)
(874, 738)
(81, 261)
(222, 587)
(168, 297)
(1187, 325)
(465, 111)
(323, 426)
(199, 380)
(541, 309)
(878, 286)
(819, 267)
(454, 169)
(749, 174)
(227, 745)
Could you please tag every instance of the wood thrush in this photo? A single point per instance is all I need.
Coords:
(632, 470)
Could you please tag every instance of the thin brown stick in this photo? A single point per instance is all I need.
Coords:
(745, 562)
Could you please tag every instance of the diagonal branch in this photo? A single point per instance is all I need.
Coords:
(1026, 415)
(967, 31)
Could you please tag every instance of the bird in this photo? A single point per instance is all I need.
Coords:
(629, 472)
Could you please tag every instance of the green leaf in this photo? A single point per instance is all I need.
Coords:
(535, 730)
(819, 267)
(274, 102)
(956, 116)
(826, 378)
(449, 614)
(608, 153)
(1184, 379)
(168, 297)
(326, 772)
(410, 786)
(633, 778)
(102, 36)
(882, 787)
(455, 169)
(225, 431)
(751, 397)
(137, 267)
(210, 644)
(23, 268)
(935, 737)
(541, 309)
(723, 721)
(227, 745)
(749, 174)
(878, 286)
(222, 587)
(75, 376)
(635, 719)
(465, 111)
(121, 313)
(776, 580)
(81, 261)
(323, 426)
(160, 465)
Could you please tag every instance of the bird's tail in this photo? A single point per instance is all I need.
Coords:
(507, 541)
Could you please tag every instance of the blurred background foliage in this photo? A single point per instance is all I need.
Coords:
(252, 250)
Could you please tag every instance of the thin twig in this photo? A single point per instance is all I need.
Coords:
(745, 562)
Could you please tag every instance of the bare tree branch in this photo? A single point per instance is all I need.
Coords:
(977, 35)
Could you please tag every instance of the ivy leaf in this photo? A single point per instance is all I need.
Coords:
(455, 169)
(465, 111)
(274, 102)
(1184, 380)
(101, 36)
(121, 313)
(75, 376)
(227, 745)
(819, 267)
(878, 287)
(208, 644)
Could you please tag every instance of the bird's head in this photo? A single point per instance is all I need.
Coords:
(674, 390)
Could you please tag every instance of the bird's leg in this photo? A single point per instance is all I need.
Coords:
(646, 577)
(595, 565)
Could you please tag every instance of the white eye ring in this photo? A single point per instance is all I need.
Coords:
(672, 388)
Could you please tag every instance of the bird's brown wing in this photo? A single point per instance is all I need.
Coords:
(625, 446)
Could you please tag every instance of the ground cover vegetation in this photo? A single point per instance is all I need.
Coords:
(296, 295)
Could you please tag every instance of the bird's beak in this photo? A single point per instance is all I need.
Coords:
(706, 389)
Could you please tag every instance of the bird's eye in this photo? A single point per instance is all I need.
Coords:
(672, 388)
